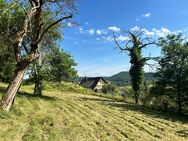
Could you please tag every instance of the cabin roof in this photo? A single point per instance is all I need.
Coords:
(92, 81)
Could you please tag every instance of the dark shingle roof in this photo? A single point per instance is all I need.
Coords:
(95, 80)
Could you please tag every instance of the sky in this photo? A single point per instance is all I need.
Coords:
(91, 43)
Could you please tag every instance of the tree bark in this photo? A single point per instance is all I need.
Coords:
(179, 103)
(38, 87)
(8, 98)
(136, 97)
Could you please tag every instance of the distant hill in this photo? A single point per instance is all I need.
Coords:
(123, 78)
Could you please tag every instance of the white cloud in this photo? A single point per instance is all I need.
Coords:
(161, 32)
(81, 30)
(91, 31)
(147, 15)
(147, 32)
(154, 32)
(108, 38)
(114, 28)
(69, 24)
(135, 28)
(122, 38)
(99, 32)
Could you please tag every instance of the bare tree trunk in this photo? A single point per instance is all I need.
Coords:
(179, 102)
(37, 74)
(8, 98)
(38, 87)
(136, 96)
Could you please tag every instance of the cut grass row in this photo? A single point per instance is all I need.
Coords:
(70, 116)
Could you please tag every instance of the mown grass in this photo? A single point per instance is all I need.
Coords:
(65, 114)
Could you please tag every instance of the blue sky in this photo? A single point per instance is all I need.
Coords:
(91, 43)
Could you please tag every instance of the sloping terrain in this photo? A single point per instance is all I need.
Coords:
(63, 116)
(123, 78)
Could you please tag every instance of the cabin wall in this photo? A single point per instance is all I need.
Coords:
(99, 86)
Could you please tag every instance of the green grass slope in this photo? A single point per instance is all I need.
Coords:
(69, 116)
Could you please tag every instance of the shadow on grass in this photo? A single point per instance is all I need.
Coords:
(138, 108)
(96, 99)
(182, 133)
(29, 95)
(2, 89)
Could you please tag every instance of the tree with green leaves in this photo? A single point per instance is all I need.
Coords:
(173, 69)
(32, 30)
(9, 24)
(62, 65)
(133, 46)
(7, 63)
(56, 66)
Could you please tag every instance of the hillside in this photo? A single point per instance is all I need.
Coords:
(123, 78)
(68, 116)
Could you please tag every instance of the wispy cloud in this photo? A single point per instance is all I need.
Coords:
(69, 24)
(147, 15)
(135, 28)
(155, 32)
(114, 28)
(143, 16)
(100, 32)
(122, 38)
(107, 38)
(101, 70)
(81, 30)
(91, 31)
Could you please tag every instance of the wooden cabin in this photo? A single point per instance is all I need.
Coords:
(94, 83)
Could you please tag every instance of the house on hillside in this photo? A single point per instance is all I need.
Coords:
(94, 83)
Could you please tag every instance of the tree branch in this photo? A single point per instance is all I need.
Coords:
(144, 45)
(7, 10)
(119, 46)
(21, 7)
(15, 2)
(50, 26)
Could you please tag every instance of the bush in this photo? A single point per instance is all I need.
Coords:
(110, 88)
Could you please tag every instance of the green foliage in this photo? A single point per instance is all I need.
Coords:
(110, 88)
(61, 65)
(134, 46)
(10, 22)
(7, 63)
(173, 69)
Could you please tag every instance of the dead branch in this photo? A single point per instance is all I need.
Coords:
(50, 26)
(119, 46)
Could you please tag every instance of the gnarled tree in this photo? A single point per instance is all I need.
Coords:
(31, 34)
(133, 46)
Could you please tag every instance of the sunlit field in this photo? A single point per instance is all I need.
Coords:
(68, 116)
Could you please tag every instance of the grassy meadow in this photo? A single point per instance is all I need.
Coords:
(71, 113)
